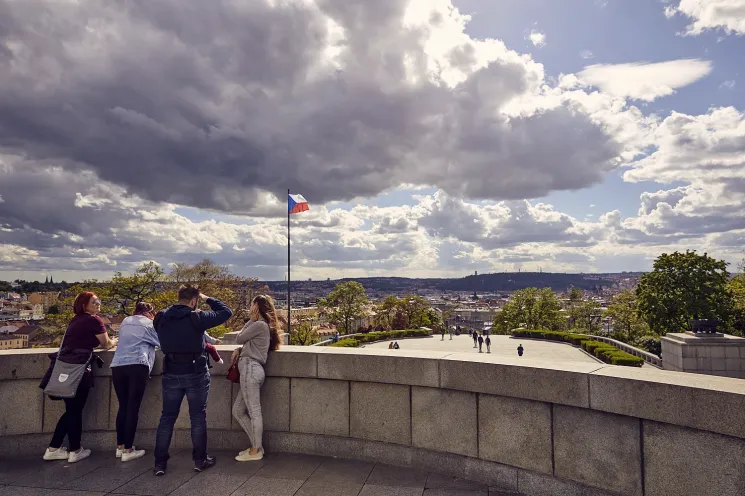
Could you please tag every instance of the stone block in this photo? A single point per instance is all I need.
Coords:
(390, 454)
(493, 474)
(96, 415)
(686, 462)
(690, 363)
(292, 361)
(30, 363)
(562, 383)
(319, 406)
(598, 449)
(731, 364)
(704, 364)
(380, 412)
(544, 485)
(515, 432)
(731, 352)
(691, 400)
(341, 447)
(21, 408)
(275, 404)
(289, 442)
(444, 420)
(717, 352)
(373, 365)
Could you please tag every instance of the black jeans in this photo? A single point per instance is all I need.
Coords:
(70, 424)
(196, 388)
(129, 383)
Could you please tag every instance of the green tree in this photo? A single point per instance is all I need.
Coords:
(125, 292)
(736, 286)
(303, 334)
(624, 312)
(345, 304)
(532, 308)
(681, 287)
(386, 312)
(585, 315)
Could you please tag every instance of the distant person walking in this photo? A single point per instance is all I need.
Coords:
(442, 332)
(520, 350)
(475, 338)
(481, 343)
(85, 332)
(450, 331)
(259, 336)
(488, 344)
(130, 369)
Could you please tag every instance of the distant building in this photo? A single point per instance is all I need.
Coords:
(11, 341)
(46, 299)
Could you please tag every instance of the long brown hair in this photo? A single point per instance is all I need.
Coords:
(267, 312)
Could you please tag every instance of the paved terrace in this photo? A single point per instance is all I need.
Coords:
(513, 425)
(503, 346)
(276, 475)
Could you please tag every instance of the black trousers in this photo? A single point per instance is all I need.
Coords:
(70, 424)
(129, 383)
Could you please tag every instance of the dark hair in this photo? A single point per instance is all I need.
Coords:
(268, 313)
(143, 308)
(188, 292)
(81, 301)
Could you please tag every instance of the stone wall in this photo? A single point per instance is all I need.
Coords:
(536, 427)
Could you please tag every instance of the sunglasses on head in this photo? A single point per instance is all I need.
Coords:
(96, 301)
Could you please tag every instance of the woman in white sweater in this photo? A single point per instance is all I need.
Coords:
(258, 337)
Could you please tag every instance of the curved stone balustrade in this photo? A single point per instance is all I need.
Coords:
(536, 427)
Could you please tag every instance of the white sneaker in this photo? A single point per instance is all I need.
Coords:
(245, 456)
(76, 456)
(58, 454)
(133, 455)
(120, 451)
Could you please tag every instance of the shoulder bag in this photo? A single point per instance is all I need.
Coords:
(65, 377)
(234, 375)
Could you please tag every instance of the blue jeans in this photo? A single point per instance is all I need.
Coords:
(196, 388)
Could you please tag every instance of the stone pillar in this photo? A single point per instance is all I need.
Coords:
(229, 337)
(713, 354)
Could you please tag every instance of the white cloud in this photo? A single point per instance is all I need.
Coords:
(644, 80)
(728, 85)
(727, 15)
(537, 38)
(586, 54)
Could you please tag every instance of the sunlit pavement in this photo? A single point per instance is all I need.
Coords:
(500, 345)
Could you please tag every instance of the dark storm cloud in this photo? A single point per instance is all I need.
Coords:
(208, 104)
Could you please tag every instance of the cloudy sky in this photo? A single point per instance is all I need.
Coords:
(430, 137)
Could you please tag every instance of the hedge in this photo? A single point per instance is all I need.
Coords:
(346, 343)
(372, 337)
(604, 351)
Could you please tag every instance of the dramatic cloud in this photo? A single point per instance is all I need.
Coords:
(644, 80)
(214, 104)
(727, 15)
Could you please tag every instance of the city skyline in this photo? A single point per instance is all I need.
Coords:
(432, 139)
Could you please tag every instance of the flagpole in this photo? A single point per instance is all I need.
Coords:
(288, 264)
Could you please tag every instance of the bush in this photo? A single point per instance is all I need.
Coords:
(605, 352)
(346, 343)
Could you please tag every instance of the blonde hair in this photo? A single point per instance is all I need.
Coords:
(262, 307)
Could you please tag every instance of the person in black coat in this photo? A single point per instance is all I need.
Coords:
(481, 343)
(475, 338)
(488, 344)
(520, 350)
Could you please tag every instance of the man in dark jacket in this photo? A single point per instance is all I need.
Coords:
(481, 343)
(180, 331)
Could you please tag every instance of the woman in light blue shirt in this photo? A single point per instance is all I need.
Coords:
(130, 369)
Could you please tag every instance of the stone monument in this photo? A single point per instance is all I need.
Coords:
(703, 350)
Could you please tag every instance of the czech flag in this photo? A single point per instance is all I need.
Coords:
(296, 204)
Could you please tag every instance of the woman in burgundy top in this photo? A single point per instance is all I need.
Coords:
(85, 332)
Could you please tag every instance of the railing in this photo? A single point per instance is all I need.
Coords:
(645, 355)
